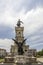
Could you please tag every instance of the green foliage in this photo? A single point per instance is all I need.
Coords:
(40, 53)
(1, 60)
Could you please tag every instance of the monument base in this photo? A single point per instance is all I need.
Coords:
(22, 59)
(9, 59)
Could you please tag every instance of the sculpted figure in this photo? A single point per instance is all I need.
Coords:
(20, 46)
(19, 23)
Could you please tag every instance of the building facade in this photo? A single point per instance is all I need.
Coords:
(2, 53)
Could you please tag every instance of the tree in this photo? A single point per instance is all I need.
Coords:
(40, 53)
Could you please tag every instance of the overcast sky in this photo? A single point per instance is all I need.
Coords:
(28, 11)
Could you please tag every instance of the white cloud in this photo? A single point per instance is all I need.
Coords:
(32, 19)
(6, 44)
(35, 45)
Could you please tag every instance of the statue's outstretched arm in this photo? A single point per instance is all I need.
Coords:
(23, 41)
(21, 22)
(15, 41)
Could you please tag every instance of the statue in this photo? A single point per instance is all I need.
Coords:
(19, 23)
(20, 46)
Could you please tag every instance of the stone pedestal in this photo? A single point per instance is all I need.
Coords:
(24, 59)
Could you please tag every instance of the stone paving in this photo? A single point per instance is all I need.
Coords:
(40, 59)
(21, 64)
(40, 62)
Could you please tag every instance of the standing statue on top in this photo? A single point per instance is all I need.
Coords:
(20, 46)
(19, 23)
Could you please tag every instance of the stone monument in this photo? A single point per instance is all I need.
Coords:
(20, 52)
(19, 41)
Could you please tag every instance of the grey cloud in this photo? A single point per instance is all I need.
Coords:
(36, 38)
(29, 4)
(32, 4)
(19, 5)
(38, 47)
(6, 32)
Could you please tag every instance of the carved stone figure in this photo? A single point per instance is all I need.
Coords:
(19, 23)
(20, 46)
